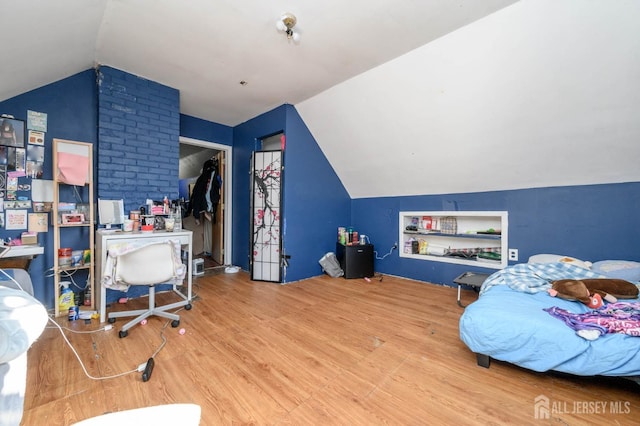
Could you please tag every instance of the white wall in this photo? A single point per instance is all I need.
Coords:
(541, 93)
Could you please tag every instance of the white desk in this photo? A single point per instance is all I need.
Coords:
(20, 256)
(106, 239)
(24, 251)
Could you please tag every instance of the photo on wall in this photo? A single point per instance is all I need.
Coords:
(3, 180)
(12, 132)
(16, 159)
(35, 161)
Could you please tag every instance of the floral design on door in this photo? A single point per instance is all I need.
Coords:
(266, 208)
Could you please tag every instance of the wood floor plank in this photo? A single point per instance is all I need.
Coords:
(319, 351)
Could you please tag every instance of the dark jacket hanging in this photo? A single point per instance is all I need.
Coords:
(208, 180)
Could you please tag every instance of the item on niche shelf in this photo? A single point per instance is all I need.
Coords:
(436, 251)
(422, 247)
(490, 255)
(448, 225)
(426, 222)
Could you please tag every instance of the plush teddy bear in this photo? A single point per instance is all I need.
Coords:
(592, 291)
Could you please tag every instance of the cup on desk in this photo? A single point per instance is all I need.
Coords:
(169, 224)
(128, 225)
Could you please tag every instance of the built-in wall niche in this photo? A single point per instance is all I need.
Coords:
(478, 238)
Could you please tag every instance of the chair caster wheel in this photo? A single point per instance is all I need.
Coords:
(188, 306)
(123, 334)
(111, 320)
(175, 323)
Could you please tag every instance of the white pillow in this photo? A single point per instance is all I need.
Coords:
(622, 269)
(22, 320)
(553, 258)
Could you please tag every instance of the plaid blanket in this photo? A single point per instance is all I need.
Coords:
(535, 277)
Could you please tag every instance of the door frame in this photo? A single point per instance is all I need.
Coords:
(228, 189)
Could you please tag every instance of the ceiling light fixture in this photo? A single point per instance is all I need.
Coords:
(286, 23)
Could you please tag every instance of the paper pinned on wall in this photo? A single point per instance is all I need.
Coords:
(72, 168)
(38, 222)
(16, 219)
(42, 190)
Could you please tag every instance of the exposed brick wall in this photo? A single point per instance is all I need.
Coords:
(138, 151)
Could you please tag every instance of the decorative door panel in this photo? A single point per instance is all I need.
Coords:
(266, 242)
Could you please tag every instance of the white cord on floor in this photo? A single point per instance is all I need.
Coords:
(108, 327)
(80, 360)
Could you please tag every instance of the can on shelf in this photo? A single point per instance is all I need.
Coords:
(64, 256)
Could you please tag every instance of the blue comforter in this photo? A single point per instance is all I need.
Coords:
(508, 323)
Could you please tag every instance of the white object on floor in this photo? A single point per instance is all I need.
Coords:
(231, 269)
(159, 415)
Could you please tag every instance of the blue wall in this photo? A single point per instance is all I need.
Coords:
(138, 133)
(197, 128)
(594, 222)
(71, 106)
(315, 202)
(245, 140)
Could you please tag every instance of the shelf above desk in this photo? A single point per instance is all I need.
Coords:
(20, 256)
(24, 251)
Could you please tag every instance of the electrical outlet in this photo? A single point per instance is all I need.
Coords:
(513, 254)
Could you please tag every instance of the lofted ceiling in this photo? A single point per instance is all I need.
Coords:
(205, 48)
(404, 97)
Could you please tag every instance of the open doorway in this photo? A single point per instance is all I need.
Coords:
(212, 232)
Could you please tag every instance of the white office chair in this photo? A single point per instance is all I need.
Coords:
(148, 265)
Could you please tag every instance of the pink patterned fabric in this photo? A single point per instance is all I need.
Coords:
(620, 317)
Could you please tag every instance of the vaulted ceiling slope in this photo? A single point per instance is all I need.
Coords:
(404, 97)
(204, 48)
(541, 93)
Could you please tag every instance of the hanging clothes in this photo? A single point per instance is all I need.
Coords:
(206, 191)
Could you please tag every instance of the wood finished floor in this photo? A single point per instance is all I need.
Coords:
(319, 351)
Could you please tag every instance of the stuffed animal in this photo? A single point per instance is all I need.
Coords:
(591, 291)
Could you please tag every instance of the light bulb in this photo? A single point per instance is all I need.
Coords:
(296, 37)
(280, 25)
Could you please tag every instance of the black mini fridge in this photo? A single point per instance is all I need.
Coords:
(356, 261)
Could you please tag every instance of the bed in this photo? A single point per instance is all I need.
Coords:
(509, 323)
